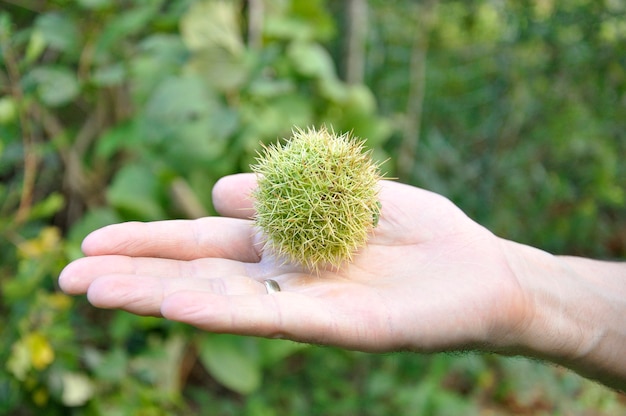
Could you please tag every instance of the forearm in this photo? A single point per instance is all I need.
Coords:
(576, 314)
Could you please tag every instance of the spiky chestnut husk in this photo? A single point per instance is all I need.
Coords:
(317, 197)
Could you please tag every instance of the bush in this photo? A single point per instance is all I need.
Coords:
(130, 110)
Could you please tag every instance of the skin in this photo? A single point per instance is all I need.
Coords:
(430, 279)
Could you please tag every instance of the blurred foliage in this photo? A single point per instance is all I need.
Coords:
(523, 118)
(117, 110)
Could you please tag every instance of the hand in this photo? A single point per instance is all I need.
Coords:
(430, 279)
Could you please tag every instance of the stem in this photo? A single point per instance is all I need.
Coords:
(32, 5)
(356, 20)
(28, 137)
(255, 23)
(417, 86)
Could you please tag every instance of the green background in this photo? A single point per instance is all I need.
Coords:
(131, 110)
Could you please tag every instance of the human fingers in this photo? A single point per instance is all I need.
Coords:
(290, 314)
(143, 295)
(141, 287)
(177, 239)
(232, 195)
(76, 277)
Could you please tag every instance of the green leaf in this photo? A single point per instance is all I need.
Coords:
(8, 111)
(212, 24)
(124, 25)
(134, 192)
(59, 31)
(275, 350)
(111, 365)
(185, 120)
(159, 56)
(228, 361)
(120, 137)
(211, 31)
(56, 86)
(92, 220)
(315, 15)
(277, 116)
(48, 207)
(178, 102)
(36, 46)
(109, 75)
(220, 69)
(94, 4)
(311, 59)
(5, 26)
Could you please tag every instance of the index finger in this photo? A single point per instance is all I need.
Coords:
(228, 238)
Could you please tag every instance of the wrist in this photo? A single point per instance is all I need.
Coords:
(544, 328)
(574, 312)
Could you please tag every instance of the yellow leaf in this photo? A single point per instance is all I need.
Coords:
(59, 301)
(48, 240)
(41, 352)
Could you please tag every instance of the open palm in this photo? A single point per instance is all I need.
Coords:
(430, 279)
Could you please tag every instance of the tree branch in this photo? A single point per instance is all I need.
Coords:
(29, 139)
(356, 21)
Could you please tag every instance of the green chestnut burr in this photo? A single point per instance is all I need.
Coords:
(317, 197)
